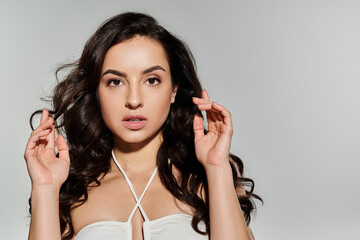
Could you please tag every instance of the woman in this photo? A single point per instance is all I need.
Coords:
(142, 166)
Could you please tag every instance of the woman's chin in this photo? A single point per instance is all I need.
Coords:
(136, 139)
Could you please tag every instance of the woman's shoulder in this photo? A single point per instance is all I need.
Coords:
(102, 202)
(113, 200)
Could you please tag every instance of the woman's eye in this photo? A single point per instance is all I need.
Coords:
(153, 81)
(114, 82)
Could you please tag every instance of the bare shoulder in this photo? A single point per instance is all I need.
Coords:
(114, 201)
(102, 203)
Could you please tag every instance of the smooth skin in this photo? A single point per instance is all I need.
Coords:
(212, 150)
(135, 80)
(47, 173)
(136, 152)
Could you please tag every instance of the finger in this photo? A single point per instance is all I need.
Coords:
(218, 115)
(205, 95)
(44, 115)
(211, 113)
(204, 107)
(62, 147)
(212, 119)
(50, 139)
(33, 140)
(225, 114)
(197, 100)
(198, 127)
(207, 107)
(43, 126)
(204, 104)
(215, 115)
(44, 118)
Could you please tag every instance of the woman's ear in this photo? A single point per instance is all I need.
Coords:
(173, 94)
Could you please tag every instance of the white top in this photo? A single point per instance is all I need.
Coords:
(171, 227)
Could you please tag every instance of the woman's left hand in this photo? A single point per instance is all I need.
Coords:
(212, 149)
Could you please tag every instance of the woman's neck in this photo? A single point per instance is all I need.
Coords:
(137, 158)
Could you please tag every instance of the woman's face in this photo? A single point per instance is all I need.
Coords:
(135, 89)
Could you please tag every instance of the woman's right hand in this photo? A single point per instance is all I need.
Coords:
(45, 169)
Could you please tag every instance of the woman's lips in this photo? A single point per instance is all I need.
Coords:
(134, 122)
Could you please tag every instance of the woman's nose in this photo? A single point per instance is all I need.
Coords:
(134, 99)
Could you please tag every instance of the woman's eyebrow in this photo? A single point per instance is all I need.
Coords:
(157, 67)
(121, 74)
(115, 72)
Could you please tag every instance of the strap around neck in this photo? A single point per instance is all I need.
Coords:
(138, 200)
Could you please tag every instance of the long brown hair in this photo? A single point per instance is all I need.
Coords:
(77, 114)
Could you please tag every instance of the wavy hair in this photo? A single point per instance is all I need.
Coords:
(76, 111)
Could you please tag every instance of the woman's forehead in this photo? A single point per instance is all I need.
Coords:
(136, 53)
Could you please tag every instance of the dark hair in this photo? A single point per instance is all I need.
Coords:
(77, 114)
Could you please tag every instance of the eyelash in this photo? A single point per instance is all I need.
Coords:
(112, 80)
(119, 81)
(154, 78)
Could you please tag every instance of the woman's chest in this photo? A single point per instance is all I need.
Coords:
(114, 201)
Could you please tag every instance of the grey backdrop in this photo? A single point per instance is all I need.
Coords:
(287, 70)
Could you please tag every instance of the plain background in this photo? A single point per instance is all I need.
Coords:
(288, 71)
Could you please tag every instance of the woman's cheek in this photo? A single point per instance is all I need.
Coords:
(163, 106)
(108, 111)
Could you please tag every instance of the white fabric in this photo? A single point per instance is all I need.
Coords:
(171, 227)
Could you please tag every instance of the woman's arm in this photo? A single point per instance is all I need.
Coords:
(212, 150)
(45, 222)
(47, 173)
(226, 219)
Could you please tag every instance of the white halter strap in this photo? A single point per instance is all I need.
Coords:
(138, 200)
